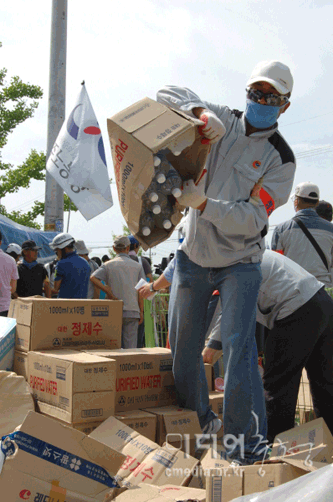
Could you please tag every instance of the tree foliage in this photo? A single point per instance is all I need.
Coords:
(18, 102)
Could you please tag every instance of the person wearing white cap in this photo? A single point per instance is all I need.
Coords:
(307, 238)
(81, 249)
(14, 250)
(120, 276)
(250, 172)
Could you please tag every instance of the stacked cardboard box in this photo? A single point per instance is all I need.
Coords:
(144, 377)
(44, 324)
(72, 386)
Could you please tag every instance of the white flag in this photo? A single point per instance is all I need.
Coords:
(77, 160)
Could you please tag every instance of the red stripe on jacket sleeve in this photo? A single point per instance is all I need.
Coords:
(267, 201)
(279, 251)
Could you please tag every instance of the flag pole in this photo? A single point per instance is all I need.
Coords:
(69, 215)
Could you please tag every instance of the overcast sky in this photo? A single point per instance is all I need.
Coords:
(128, 50)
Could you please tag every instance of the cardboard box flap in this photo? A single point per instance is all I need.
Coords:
(137, 115)
(305, 466)
(73, 356)
(120, 436)
(155, 135)
(322, 452)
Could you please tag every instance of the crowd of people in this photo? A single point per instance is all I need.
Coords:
(73, 275)
(223, 281)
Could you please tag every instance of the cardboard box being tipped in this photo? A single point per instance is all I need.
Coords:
(136, 134)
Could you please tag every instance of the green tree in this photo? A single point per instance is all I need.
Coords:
(18, 102)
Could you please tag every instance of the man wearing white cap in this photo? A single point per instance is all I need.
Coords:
(250, 172)
(307, 238)
(121, 275)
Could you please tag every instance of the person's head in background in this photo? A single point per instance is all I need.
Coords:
(135, 245)
(30, 251)
(306, 196)
(97, 260)
(14, 250)
(105, 258)
(121, 244)
(324, 210)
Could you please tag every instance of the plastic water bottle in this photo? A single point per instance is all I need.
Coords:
(150, 196)
(172, 184)
(161, 172)
(163, 220)
(146, 223)
(161, 203)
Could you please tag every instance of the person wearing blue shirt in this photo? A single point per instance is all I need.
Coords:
(72, 272)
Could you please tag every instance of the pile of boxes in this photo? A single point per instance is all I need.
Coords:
(111, 415)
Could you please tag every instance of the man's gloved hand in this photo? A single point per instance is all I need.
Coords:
(213, 129)
(193, 195)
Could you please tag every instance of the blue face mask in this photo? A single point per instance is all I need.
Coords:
(261, 116)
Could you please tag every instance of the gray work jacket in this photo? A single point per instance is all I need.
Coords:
(231, 229)
(289, 239)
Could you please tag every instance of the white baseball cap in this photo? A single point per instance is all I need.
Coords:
(275, 73)
(14, 248)
(307, 190)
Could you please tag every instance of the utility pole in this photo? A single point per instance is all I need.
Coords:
(54, 197)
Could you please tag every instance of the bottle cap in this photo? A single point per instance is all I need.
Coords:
(160, 178)
(157, 161)
(153, 197)
(146, 231)
(167, 224)
(156, 209)
(176, 192)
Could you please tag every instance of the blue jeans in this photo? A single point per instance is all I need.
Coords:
(238, 285)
